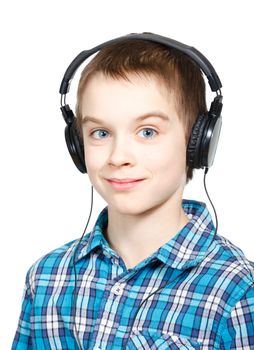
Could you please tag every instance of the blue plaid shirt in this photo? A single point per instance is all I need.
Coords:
(197, 293)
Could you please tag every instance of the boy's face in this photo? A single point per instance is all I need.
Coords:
(122, 147)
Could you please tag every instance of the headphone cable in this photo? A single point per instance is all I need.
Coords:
(74, 295)
(215, 214)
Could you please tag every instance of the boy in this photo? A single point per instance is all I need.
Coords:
(152, 274)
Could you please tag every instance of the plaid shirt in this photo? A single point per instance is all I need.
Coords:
(205, 298)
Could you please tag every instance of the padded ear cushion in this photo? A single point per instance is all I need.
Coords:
(195, 142)
(75, 147)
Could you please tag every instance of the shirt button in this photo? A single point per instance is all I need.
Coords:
(117, 289)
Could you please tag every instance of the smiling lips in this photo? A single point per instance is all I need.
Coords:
(124, 180)
(124, 184)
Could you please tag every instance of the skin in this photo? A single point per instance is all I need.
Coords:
(144, 218)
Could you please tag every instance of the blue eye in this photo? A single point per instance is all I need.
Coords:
(149, 132)
(101, 132)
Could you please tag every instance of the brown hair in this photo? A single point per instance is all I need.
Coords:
(141, 57)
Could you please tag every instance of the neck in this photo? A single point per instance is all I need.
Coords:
(135, 237)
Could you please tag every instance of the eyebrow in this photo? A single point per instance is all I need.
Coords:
(159, 115)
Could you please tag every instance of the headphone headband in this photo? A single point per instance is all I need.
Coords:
(195, 55)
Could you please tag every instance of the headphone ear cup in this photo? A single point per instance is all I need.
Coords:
(75, 147)
(195, 142)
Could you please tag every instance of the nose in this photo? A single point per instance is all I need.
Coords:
(120, 153)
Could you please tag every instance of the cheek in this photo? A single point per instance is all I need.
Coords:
(92, 161)
(170, 154)
(171, 163)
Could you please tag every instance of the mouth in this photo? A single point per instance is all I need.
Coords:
(124, 184)
(126, 180)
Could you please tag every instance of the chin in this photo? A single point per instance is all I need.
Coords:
(130, 208)
(124, 210)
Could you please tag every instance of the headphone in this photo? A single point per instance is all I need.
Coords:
(205, 133)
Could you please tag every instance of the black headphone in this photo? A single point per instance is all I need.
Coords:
(205, 134)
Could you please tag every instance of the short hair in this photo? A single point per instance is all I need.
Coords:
(180, 74)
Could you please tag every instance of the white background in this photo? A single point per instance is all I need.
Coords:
(45, 201)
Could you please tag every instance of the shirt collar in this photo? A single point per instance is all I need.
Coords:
(186, 249)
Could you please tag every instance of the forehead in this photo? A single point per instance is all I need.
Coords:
(143, 80)
(105, 97)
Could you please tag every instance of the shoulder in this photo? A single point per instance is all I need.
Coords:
(52, 264)
(233, 258)
(232, 271)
